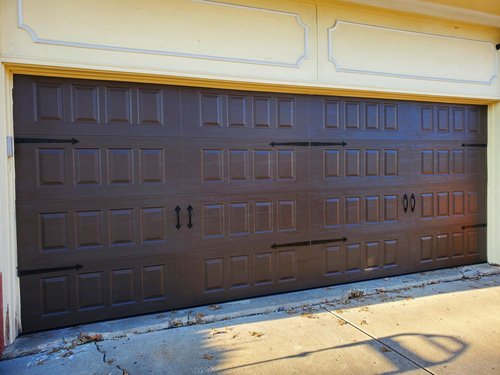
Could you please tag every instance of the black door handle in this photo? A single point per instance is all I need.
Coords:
(190, 211)
(413, 202)
(178, 211)
(405, 203)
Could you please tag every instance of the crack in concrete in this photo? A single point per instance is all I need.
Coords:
(110, 362)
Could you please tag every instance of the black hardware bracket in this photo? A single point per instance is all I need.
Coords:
(308, 243)
(473, 226)
(177, 211)
(308, 144)
(45, 140)
(497, 46)
(21, 273)
(190, 211)
(474, 145)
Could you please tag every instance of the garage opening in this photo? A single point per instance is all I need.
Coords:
(135, 198)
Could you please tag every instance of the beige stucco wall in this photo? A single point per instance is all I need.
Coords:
(307, 46)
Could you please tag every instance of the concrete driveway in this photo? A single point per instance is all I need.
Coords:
(444, 325)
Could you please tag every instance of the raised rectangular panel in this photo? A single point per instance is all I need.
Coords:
(238, 165)
(473, 120)
(372, 162)
(53, 231)
(153, 224)
(352, 163)
(236, 111)
(263, 217)
(458, 119)
(390, 207)
(427, 200)
(210, 109)
(122, 286)
(372, 255)
(473, 162)
(122, 227)
(372, 116)
(55, 295)
(391, 162)
(332, 212)
(443, 204)
(285, 113)
(85, 101)
(238, 219)
(390, 117)
(332, 114)
(372, 206)
(212, 162)
(426, 245)
(457, 249)
(353, 210)
(332, 260)
(443, 161)
(458, 203)
(51, 166)
(472, 242)
(331, 162)
(287, 215)
(352, 115)
(263, 268)
(118, 105)
(150, 106)
(353, 257)
(427, 161)
(213, 220)
(390, 253)
(351, 49)
(260, 29)
(49, 105)
(214, 275)
(442, 242)
(472, 202)
(262, 165)
(120, 166)
(287, 265)
(286, 164)
(88, 229)
(262, 112)
(90, 291)
(152, 166)
(87, 166)
(458, 161)
(427, 119)
(154, 283)
(239, 271)
(442, 116)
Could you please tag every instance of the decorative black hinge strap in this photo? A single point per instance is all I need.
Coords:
(307, 144)
(47, 270)
(474, 145)
(45, 140)
(473, 226)
(308, 243)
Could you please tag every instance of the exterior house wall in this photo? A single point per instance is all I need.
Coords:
(310, 47)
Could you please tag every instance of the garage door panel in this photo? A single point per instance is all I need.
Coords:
(354, 118)
(226, 114)
(83, 107)
(216, 166)
(448, 122)
(360, 163)
(105, 166)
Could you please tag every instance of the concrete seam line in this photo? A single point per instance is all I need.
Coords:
(378, 340)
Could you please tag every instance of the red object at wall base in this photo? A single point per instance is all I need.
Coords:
(2, 337)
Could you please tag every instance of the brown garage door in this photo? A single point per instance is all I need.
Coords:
(177, 196)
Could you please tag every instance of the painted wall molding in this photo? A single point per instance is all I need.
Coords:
(22, 24)
(383, 51)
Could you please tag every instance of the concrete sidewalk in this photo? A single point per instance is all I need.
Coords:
(439, 322)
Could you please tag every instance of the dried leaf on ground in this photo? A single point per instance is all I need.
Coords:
(291, 311)
(383, 349)
(208, 356)
(218, 331)
(341, 322)
(363, 322)
(84, 338)
(214, 307)
(364, 308)
(309, 316)
(255, 333)
(235, 335)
